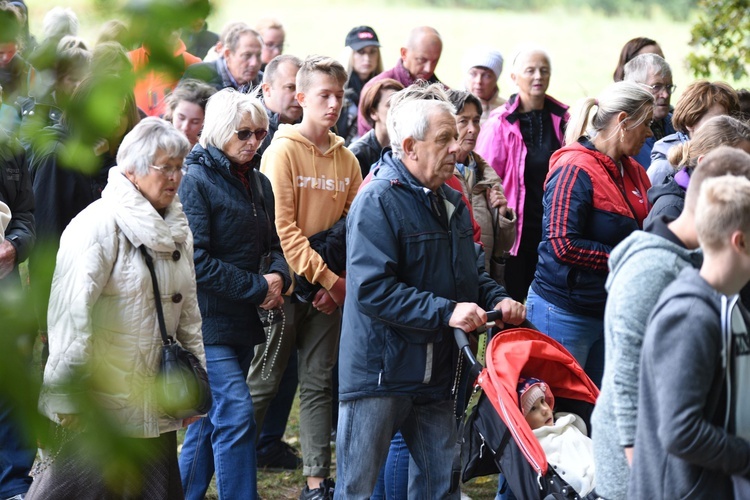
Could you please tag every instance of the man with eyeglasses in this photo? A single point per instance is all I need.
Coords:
(419, 58)
(653, 72)
(239, 66)
(273, 34)
(482, 68)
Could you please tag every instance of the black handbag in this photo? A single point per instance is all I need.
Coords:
(182, 384)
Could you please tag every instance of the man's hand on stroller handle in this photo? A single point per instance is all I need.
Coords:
(467, 316)
(514, 313)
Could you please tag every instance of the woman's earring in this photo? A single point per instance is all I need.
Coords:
(622, 135)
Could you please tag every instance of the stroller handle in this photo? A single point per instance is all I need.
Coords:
(463, 342)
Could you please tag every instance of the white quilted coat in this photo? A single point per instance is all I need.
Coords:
(102, 315)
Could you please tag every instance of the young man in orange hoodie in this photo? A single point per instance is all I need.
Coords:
(315, 179)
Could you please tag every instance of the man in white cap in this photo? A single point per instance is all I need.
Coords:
(482, 67)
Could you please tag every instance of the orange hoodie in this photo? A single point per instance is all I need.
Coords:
(313, 190)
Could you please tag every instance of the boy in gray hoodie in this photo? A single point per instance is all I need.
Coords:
(693, 405)
(640, 268)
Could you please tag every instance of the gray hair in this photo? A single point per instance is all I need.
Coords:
(410, 112)
(71, 42)
(628, 97)
(638, 68)
(224, 113)
(524, 50)
(234, 35)
(58, 22)
(150, 137)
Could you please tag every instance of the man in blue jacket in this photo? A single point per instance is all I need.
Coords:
(413, 274)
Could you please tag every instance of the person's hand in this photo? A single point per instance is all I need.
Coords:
(629, 453)
(323, 302)
(338, 291)
(275, 282)
(273, 305)
(188, 421)
(467, 316)
(69, 421)
(7, 258)
(513, 312)
(498, 200)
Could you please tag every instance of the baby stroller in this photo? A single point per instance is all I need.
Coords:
(494, 434)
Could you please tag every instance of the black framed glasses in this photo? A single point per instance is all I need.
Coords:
(659, 88)
(245, 133)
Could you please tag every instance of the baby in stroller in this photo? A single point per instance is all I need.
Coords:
(567, 447)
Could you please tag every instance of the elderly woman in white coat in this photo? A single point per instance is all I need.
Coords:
(103, 326)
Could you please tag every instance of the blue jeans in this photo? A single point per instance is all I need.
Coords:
(224, 441)
(582, 336)
(365, 429)
(393, 480)
(16, 455)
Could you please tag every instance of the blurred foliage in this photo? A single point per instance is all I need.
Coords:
(721, 39)
(677, 9)
(91, 116)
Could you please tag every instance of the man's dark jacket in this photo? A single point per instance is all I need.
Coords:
(405, 273)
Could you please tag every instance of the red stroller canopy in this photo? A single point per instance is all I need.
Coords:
(525, 352)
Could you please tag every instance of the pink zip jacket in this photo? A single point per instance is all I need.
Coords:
(501, 144)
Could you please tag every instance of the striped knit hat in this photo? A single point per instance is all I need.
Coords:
(529, 392)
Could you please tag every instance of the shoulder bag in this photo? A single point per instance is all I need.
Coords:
(182, 384)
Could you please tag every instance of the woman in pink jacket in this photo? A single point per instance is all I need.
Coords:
(517, 141)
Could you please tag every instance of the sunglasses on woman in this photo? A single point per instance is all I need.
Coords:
(245, 134)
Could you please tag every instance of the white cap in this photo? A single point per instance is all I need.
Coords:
(484, 57)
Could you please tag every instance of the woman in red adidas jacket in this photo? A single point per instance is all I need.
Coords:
(594, 197)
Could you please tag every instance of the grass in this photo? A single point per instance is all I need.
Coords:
(287, 485)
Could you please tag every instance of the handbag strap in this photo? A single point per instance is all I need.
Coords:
(159, 311)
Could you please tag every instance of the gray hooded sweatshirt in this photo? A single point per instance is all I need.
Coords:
(689, 395)
(641, 266)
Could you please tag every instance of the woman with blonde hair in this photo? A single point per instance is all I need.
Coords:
(668, 199)
(363, 62)
(594, 197)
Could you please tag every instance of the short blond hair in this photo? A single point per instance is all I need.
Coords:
(269, 23)
(319, 64)
(723, 208)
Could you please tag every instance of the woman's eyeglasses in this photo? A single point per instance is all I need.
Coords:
(245, 134)
(167, 170)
